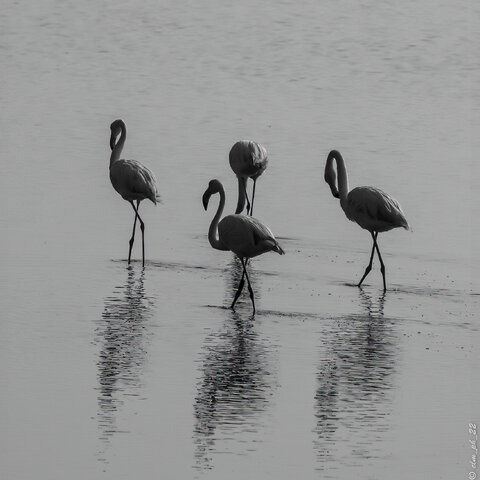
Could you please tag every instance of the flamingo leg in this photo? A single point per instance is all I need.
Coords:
(130, 242)
(239, 290)
(252, 297)
(142, 228)
(253, 196)
(369, 266)
(382, 266)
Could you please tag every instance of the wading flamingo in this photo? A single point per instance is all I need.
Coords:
(371, 208)
(248, 160)
(131, 179)
(245, 236)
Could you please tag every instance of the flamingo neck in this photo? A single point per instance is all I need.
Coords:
(242, 186)
(118, 147)
(213, 237)
(342, 185)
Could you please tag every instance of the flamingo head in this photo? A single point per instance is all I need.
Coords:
(214, 186)
(331, 179)
(330, 175)
(115, 129)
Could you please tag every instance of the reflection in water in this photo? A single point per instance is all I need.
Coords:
(354, 381)
(235, 385)
(122, 333)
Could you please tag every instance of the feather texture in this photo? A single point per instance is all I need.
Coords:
(246, 236)
(373, 209)
(248, 159)
(134, 181)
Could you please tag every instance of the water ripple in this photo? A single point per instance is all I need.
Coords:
(123, 335)
(354, 384)
(235, 387)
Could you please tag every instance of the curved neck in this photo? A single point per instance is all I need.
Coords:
(242, 194)
(118, 147)
(331, 177)
(213, 237)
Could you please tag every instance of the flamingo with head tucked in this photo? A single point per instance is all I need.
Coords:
(132, 180)
(248, 160)
(370, 207)
(245, 236)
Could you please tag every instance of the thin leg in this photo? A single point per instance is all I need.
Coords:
(249, 285)
(142, 228)
(246, 195)
(369, 266)
(239, 290)
(253, 196)
(382, 266)
(133, 236)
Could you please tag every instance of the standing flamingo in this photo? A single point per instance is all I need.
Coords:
(131, 179)
(248, 160)
(370, 207)
(245, 236)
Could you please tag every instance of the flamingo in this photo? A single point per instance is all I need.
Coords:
(245, 236)
(131, 179)
(370, 207)
(248, 160)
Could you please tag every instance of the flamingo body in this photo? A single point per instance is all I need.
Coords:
(374, 210)
(248, 160)
(132, 180)
(245, 236)
(371, 208)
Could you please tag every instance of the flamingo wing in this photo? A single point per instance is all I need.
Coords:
(373, 209)
(134, 181)
(259, 154)
(246, 236)
(248, 158)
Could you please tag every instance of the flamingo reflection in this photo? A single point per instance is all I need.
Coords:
(236, 383)
(124, 340)
(354, 384)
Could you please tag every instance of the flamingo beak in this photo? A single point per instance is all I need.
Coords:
(331, 179)
(335, 192)
(206, 198)
(112, 141)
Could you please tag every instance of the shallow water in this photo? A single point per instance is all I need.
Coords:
(109, 371)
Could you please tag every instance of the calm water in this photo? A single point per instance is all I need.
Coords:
(111, 372)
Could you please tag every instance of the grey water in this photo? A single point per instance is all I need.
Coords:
(116, 372)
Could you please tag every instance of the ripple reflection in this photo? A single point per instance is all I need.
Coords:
(122, 332)
(353, 396)
(235, 387)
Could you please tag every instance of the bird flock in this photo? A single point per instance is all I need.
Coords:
(245, 236)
